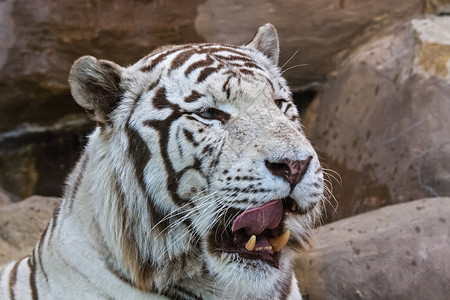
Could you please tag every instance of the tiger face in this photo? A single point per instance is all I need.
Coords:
(205, 148)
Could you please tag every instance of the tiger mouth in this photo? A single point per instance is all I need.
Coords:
(258, 233)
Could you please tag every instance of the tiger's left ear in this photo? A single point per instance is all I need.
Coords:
(265, 40)
(95, 86)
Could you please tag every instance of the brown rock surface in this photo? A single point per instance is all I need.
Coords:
(396, 252)
(41, 39)
(22, 224)
(382, 121)
(7, 198)
(323, 31)
(438, 7)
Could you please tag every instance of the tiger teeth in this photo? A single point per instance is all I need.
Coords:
(294, 206)
(250, 245)
(266, 248)
(279, 242)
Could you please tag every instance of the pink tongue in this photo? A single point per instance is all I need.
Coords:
(256, 220)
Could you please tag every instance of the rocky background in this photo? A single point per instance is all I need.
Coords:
(371, 79)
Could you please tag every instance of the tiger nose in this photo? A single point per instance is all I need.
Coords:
(290, 170)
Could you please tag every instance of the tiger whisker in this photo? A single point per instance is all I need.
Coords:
(292, 56)
(292, 67)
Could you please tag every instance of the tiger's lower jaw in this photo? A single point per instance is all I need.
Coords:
(265, 246)
(250, 278)
(259, 234)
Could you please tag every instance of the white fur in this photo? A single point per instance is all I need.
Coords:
(106, 205)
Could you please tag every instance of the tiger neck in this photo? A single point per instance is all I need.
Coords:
(129, 244)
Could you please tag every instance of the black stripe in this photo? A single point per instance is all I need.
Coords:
(76, 185)
(161, 57)
(181, 58)
(230, 49)
(163, 128)
(34, 291)
(39, 248)
(190, 137)
(180, 293)
(150, 87)
(270, 83)
(140, 155)
(226, 88)
(54, 219)
(208, 61)
(216, 160)
(139, 97)
(13, 279)
(160, 101)
(247, 72)
(208, 71)
(194, 96)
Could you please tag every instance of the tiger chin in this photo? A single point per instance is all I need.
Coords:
(198, 182)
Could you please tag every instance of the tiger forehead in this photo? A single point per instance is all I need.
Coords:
(179, 55)
(227, 72)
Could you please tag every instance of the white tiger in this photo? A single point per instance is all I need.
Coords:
(198, 182)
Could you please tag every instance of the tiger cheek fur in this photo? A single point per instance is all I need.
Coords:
(198, 152)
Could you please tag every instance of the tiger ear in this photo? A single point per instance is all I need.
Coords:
(265, 40)
(95, 86)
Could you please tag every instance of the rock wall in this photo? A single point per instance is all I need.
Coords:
(396, 252)
(382, 119)
(41, 39)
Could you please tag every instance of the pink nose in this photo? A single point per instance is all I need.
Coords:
(290, 170)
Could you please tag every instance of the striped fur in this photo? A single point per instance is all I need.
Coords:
(181, 148)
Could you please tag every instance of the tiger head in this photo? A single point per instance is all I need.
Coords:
(201, 165)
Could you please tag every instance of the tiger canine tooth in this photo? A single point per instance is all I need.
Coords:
(250, 245)
(279, 242)
(294, 206)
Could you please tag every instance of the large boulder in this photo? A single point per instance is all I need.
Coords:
(323, 31)
(396, 252)
(382, 121)
(22, 224)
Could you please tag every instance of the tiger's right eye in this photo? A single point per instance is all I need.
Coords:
(211, 113)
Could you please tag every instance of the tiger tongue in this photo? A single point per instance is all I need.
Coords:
(256, 220)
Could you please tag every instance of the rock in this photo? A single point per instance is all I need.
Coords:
(7, 198)
(323, 31)
(22, 224)
(37, 159)
(396, 252)
(437, 7)
(432, 57)
(382, 121)
(41, 39)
